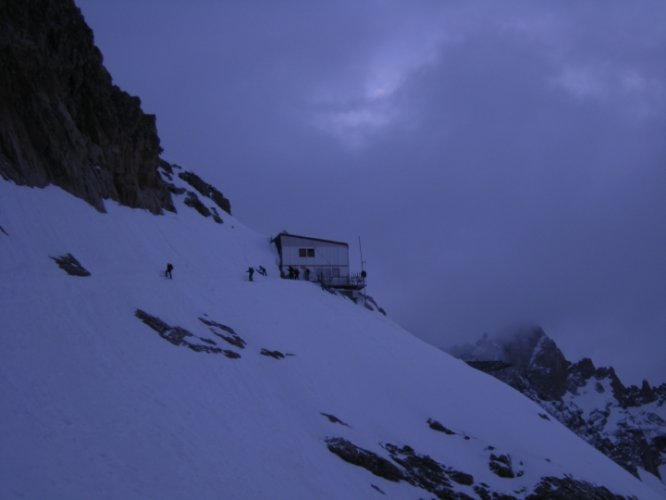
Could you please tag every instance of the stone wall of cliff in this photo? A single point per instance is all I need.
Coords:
(62, 120)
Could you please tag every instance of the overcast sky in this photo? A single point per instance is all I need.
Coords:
(502, 162)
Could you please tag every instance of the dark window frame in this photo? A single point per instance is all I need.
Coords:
(306, 253)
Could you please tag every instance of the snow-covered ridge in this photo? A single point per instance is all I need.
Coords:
(98, 400)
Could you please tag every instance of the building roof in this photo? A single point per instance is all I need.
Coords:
(311, 238)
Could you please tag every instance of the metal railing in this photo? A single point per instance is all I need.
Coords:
(355, 280)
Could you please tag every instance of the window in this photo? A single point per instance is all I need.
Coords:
(306, 252)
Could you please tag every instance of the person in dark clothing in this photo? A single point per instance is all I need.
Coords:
(167, 273)
(250, 272)
(262, 270)
(307, 274)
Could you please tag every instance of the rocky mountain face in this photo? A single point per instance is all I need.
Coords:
(627, 423)
(63, 121)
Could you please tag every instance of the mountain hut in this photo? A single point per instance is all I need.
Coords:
(318, 260)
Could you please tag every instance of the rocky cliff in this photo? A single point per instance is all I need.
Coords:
(628, 424)
(62, 120)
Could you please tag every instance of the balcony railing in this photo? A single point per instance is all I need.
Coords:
(354, 281)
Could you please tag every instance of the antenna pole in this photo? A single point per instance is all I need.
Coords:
(361, 250)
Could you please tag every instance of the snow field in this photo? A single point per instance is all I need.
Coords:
(96, 405)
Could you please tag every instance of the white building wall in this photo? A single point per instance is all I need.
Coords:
(330, 258)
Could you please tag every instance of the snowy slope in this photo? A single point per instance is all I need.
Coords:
(95, 404)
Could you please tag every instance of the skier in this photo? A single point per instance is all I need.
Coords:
(167, 273)
(250, 272)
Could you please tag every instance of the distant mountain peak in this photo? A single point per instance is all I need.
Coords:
(536, 363)
(625, 423)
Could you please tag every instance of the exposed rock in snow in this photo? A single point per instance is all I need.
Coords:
(554, 488)
(502, 466)
(224, 332)
(353, 454)
(425, 472)
(216, 215)
(179, 336)
(206, 190)
(437, 426)
(192, 200)
(271, 354)
(334, 420)
(179, 184)
(71, 266)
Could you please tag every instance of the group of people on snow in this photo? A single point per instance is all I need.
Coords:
(168, 272)
(293, 273)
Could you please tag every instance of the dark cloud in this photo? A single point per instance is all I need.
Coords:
(502, 162)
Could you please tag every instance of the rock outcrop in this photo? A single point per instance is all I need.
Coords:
(177, 181)
(403, 463)
(62, 120)
(180, 336)
(71, 265)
